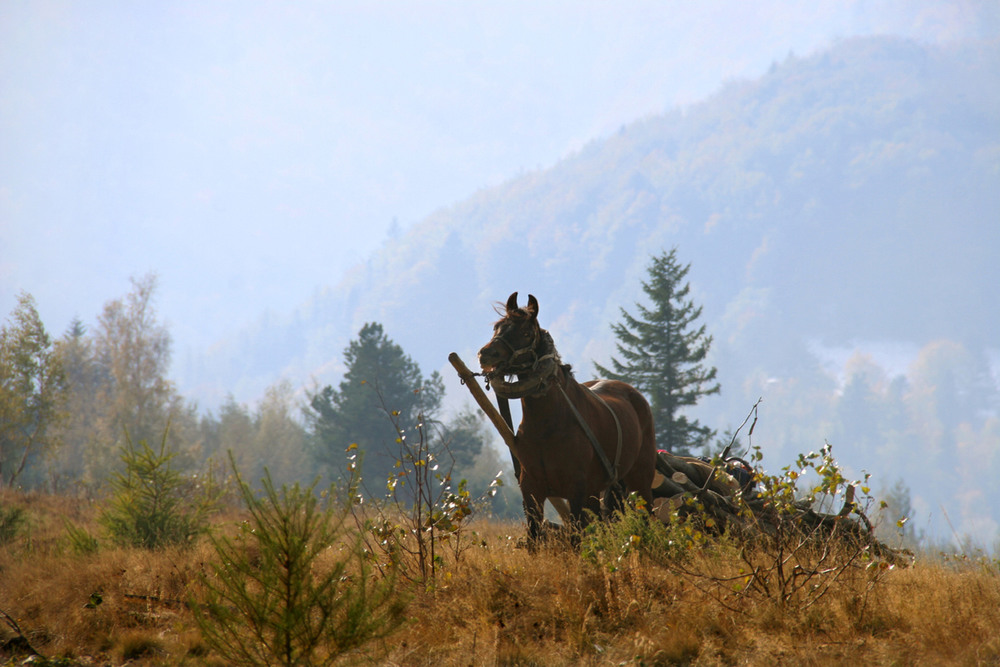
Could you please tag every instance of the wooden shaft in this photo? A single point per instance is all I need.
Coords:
(499, 423)
(482, 399)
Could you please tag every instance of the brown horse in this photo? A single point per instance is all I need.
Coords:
(581, 442)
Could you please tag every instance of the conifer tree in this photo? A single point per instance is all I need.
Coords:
(662, 354)
(383, 388)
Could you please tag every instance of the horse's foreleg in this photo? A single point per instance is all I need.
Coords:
(614, 499)
(584, 508)
(534, 513)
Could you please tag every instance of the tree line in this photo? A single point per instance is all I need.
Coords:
(71, 406)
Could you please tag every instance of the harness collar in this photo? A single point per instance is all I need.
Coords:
(534, 374)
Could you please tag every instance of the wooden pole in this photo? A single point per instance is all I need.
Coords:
(482, 399)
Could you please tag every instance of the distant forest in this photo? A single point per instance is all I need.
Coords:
(839, 215)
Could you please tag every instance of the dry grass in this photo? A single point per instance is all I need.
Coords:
(500, 605)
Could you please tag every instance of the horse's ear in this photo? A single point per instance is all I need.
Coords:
(512, 302)
(532, 307)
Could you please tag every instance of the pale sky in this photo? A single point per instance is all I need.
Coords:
(250, 152)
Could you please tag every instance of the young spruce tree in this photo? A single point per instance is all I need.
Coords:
(663, 353)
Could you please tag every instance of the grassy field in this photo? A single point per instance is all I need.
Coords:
(494, 603)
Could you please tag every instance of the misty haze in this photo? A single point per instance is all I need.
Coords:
(245, 248)
(274, 180)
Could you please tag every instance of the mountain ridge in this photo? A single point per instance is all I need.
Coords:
(884, 137)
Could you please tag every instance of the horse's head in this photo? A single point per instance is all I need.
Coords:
(516, 337)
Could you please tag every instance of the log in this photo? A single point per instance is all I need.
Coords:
(664, 487)
(703, 475)
(696, 471)
(663, 508)
(715, 504)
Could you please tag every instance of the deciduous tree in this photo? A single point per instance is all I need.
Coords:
(85, 383)
(132, 350)
(32, 390)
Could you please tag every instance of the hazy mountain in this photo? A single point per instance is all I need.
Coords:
(846, 200)
(849, 196)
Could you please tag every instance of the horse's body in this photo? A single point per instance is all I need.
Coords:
(556, 455)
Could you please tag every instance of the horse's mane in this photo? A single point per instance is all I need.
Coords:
(548, 346)
(517, 313)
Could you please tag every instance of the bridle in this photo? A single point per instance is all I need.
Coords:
(511, 367)
(540, 369)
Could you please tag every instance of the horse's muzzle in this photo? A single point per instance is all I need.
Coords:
(490, 358)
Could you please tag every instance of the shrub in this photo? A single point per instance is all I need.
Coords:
(80, 540)
(150, 507)
(12, 520)
(140, 644)
(294, 586)
(776, 544)
(424, 512)
(632, 532)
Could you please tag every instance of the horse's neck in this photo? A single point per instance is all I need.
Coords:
(548, 405)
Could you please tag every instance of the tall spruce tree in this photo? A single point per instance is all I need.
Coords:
(382, 389)
(662, 354)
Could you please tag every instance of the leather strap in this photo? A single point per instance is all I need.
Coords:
(611, 469)
(504, 406)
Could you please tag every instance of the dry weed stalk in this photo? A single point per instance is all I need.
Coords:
(422, 516)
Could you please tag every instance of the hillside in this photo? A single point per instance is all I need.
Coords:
(842, 203)
(494, 603)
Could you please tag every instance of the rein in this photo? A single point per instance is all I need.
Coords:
(611, 469)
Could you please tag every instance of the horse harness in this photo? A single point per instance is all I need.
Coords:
(539, 385)
(612, 470)
(527, 349)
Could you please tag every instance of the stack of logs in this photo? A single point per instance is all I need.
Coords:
(681, 477)
(720, 491)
